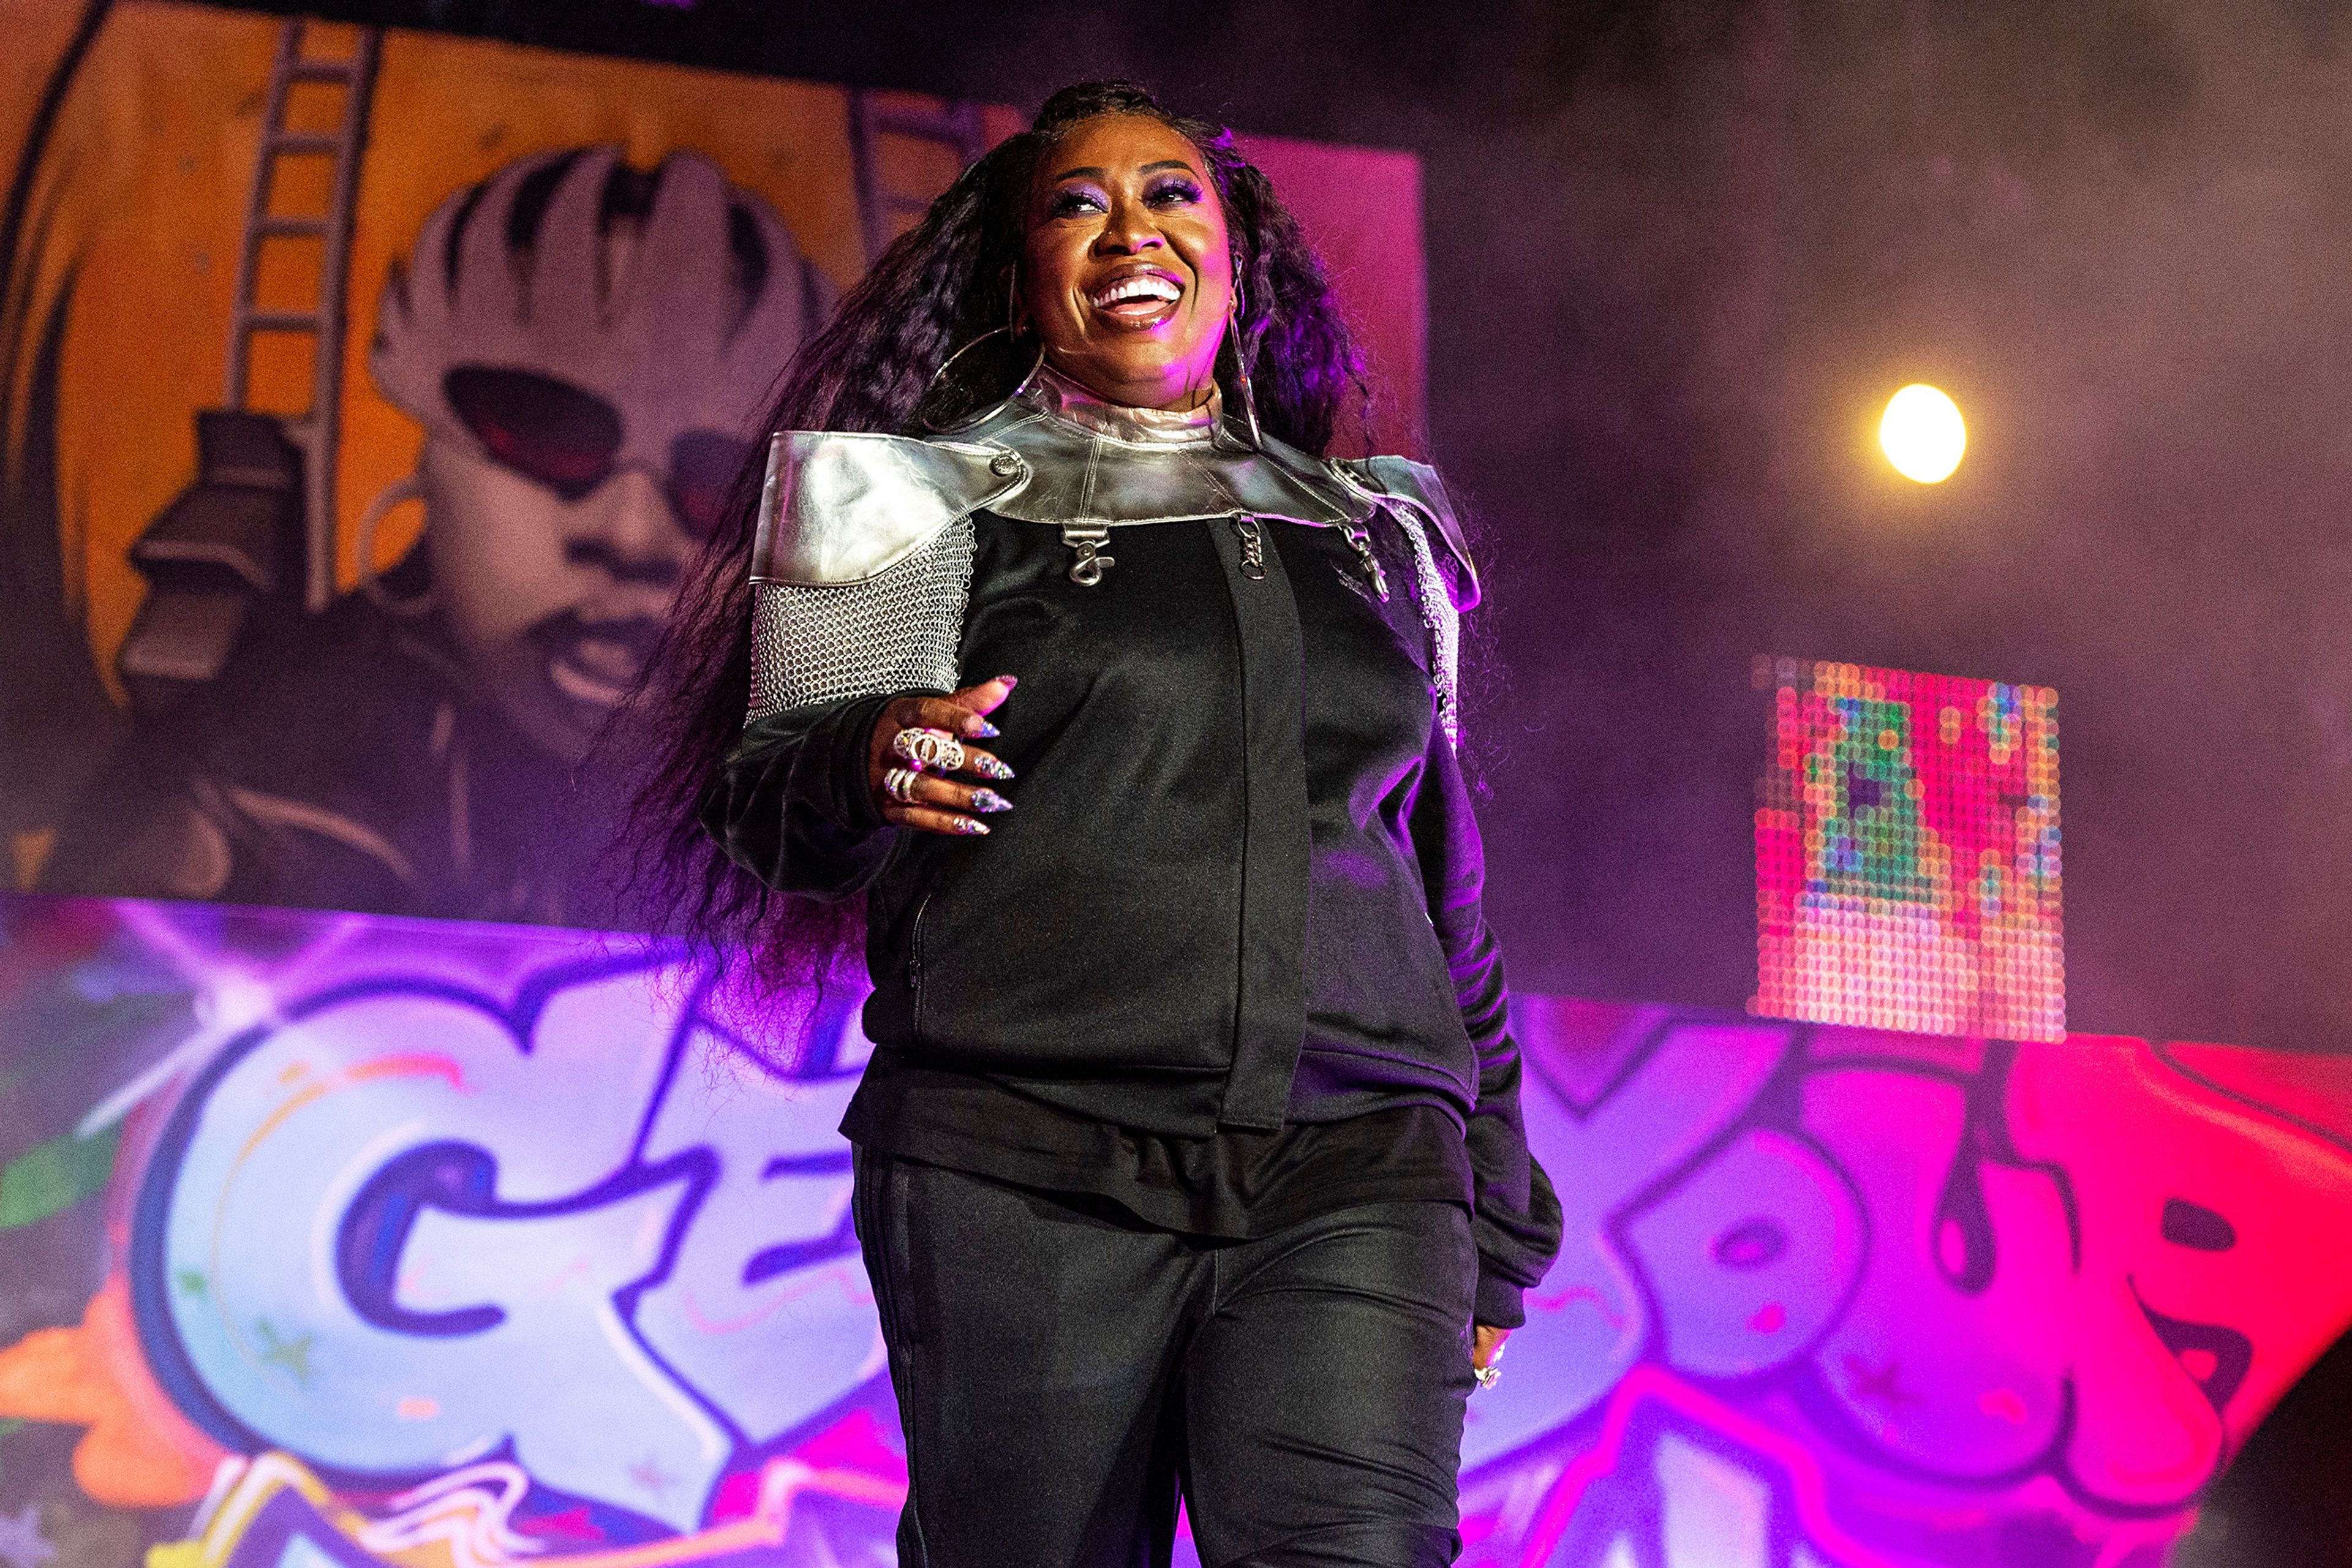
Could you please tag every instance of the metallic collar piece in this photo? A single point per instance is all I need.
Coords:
(843, 507)
(1088, 463)
(1051, 392)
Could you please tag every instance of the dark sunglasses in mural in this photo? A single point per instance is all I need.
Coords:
(566, 438)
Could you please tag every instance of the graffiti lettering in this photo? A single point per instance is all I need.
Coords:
(587, 1195)
(768, 1277)
(1751, 1256)
(496, 1237)
(1591, 1319)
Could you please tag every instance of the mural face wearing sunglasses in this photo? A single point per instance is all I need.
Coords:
(558, 535)
(569, 439)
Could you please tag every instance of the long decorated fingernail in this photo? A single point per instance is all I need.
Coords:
(969, 828)
(981, 730)
(989, 800)
(988, 767)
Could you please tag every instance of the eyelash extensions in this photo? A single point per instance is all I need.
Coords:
(1070, 202)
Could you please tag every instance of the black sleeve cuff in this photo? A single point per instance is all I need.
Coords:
(1498, 1303)
(853, 806)
(790, 804)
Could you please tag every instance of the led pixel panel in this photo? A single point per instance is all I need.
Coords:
(1906, 853)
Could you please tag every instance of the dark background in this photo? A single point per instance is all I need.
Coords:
(1679, 253)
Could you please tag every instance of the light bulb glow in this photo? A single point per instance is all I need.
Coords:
(1922, 433)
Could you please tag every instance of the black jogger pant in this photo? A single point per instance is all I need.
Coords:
(1061, 1370)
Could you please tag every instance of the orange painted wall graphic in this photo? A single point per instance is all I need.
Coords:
(366, 392)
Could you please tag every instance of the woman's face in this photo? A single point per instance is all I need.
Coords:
(1128, 273)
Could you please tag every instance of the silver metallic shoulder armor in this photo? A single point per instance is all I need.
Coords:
(1418, 486)
(862, 563)
(1416, 498)
(840, 507)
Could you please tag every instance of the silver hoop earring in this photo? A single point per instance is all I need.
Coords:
(1012, 326)
(1241, 367)
(945, 365)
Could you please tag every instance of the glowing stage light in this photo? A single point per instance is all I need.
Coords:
(1922, 433)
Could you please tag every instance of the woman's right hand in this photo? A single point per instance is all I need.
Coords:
(920, 742)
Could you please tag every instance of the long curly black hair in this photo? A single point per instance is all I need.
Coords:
(942, 286)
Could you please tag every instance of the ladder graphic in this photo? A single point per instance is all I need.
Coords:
(222, 555)
(315, 433)
(955, 124)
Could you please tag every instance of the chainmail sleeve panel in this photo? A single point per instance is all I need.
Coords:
(1443, 619)
(1414, 499)
(896, 631)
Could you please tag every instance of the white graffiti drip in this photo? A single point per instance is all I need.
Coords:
(465, 1511)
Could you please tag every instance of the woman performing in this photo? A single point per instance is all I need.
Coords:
(1189, 1154)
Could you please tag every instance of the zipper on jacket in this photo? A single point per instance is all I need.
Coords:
(1361, 542)
(1252, 540)
(915, 964)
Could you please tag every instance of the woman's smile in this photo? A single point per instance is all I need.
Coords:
(1139, 297)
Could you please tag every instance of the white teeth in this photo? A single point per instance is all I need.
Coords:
(1138, 285)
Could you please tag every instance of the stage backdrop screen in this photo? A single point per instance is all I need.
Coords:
(362, 396)
(1906, 853)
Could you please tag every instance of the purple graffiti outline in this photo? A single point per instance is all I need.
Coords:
(1772, 1108)
(287, 1517)
(1985, 1137)
(149, 1284)
(2163, 1052)
(1808, 1489)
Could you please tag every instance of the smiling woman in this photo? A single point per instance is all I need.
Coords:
(1191, 1147)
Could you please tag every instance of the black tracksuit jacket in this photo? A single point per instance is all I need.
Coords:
(1241, 883)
